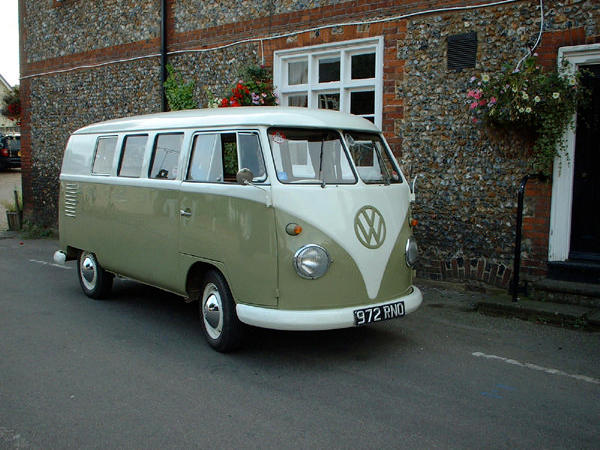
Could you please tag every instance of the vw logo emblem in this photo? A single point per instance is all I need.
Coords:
(369, 227)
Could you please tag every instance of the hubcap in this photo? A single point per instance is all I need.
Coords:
(212, 311)
(88, 271)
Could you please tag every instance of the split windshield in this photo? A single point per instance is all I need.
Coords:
(309, 156)
(371, 158)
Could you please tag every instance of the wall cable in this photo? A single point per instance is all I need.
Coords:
(288, 34)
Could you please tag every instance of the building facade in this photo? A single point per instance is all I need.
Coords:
(404, 65)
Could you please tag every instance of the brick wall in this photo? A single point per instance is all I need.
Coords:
(466, 197)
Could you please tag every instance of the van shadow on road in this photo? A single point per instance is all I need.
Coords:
(144, 303)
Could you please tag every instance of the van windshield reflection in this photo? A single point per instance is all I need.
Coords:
(371, 158)
(305, 156)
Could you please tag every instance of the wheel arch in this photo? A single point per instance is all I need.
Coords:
(195, 279)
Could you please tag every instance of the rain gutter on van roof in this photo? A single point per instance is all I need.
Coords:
(248, 116)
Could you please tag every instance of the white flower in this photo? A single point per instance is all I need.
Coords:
(485, 78)
(528, 110)
(525, 96)
(572, 81)
(555, 95)
(537, 99)
(514, 89)
(521, 110)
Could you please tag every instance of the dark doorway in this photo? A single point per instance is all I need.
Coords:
(585, 215)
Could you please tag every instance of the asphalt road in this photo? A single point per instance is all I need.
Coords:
(134, 372)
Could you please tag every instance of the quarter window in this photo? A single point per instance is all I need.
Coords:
(105, 153)
(346, 77)
(217, 157)
(132, 156)
(165, 156)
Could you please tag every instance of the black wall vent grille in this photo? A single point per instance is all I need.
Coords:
(462, 51)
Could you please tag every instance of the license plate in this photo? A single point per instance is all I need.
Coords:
(378, 313)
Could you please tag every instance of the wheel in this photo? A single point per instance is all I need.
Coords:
(95, 281)
(221, 326)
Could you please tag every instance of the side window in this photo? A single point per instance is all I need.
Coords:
(165, 156)
(105, 152)
(217, 157)
(206, 163)
(251, 155)
(230, 157)
(132, 156)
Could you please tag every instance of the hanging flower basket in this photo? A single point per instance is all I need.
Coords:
(539, 106)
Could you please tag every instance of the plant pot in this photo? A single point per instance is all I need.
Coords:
(14, 220)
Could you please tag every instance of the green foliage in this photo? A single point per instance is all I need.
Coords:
(529, 101)
(180, 95)
(34, 231)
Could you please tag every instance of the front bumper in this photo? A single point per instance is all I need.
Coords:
(319, 319)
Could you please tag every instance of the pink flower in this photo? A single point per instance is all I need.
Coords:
(493, 100)
(482, 102)
(473, 105)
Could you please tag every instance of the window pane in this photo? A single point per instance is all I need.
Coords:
(230, 157)
(363, 66)
(251, 155)
(166, 156)
(310, 156)
(206, 163)
(105, 152)
(362, 102)
(297, 72)
(133, 155)
(329, 101)
(329, 69)
(298, 100)
(372, 160)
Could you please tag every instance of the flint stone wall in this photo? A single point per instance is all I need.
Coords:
(76, 26)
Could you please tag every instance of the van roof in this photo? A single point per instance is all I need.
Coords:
(238, 117)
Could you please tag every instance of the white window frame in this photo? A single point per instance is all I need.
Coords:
(345, 50)
(559, 241)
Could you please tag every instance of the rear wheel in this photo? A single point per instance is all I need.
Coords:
(95, 281)
(220, 323)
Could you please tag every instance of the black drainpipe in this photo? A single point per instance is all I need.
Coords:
(163, 53)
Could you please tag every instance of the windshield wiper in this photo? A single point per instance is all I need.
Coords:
(321, 177)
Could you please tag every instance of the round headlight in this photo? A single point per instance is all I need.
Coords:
(412, 251)
(311, 261)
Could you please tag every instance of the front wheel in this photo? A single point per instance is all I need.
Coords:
(95, 282)
(220, 323)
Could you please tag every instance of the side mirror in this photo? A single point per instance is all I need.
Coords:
(244, 176)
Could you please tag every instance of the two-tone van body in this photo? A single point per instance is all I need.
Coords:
(283, 218)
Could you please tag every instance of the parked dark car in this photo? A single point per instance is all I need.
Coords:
(10, 151)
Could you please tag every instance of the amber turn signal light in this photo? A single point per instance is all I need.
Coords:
(293, 229)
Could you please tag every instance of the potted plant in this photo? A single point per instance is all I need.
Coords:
(14, 212)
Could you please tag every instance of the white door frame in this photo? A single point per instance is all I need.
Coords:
(564, 164)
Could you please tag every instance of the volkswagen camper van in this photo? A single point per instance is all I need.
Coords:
(283, 218)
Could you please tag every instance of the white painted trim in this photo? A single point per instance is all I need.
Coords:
(312, 320)
(345, 49)
(564, 164)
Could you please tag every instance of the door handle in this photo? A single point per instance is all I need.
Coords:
(185, 212)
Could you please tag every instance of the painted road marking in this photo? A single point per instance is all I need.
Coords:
(536, 367)
(45, 263)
